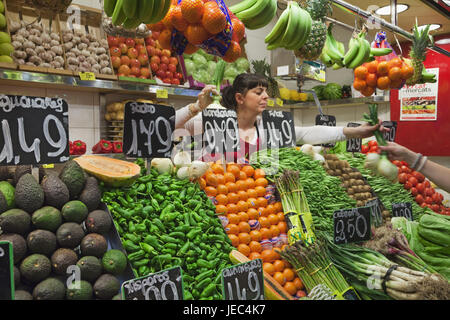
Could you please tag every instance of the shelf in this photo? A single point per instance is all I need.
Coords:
(337, 103)
(35, 79)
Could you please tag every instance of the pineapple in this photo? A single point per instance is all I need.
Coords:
(317, 9)
(263, 68)
(420, 42)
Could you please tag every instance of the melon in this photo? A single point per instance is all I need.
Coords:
(113, 172)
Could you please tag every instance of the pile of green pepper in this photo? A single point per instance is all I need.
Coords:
(165, 222)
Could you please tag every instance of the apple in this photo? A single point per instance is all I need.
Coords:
(141, 49)
(133, 53)
(123, 48)
(150, 41)
(155, 59)
(143, 58)
(124, 69)
(164, 60)
(124, 60)
(113, 41)
(136, 71)
(130, 43)
(116, 61)
(140, 41)
(173, 60)
(163, 67)
(169, 75)
(172, 68)
(155, 35)
(115, 51)
(135, 63)
(160, 74)
(154, 67)
(166, 53)
(145, 72)
(151, 50)
(175, 81)
(158, 52)
(121, 39)
(167, 80)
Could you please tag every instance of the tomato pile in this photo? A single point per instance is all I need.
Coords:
(371, 146)
(420, 188)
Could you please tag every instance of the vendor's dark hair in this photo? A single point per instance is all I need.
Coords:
(243, 83)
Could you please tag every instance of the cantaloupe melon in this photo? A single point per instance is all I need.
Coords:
(113, 172)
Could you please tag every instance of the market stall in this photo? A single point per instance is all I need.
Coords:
(131, 210)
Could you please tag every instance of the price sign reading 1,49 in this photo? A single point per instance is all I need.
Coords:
(244, 281)
(352, 225)
(34, 130)
(280, 129)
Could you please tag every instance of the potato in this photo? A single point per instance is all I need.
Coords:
(338, 172)
(345, 176)
(350, 191)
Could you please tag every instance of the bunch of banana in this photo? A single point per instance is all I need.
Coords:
(255, 14)
(291, 30)
(333, 52)
(131, 13)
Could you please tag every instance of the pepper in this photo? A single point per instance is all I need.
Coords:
(163, 258)
(204, 264)
(170, 216)
(149, 187)
(168, 251)
(177, 234)
(182, 228)
(172, 246)
(193, 233)
(70, 148)
(147, 210)
(167, 238)
(187, 278)
(162, 189)
(188, 295)
(155, 205)
(208, 290)
(131, 227)
(136, 255)
(148, 248)
(144, 270)
(145, 179)
(141, 227)
(117, 147)
(130, 246)
(132, 237)
(173, 193)
(139, 263)
(184, 249)
(204, 275)
(151, 240)
(159, 224)
(79, 147)
(103, 146)
(182, 194)
(203, 283)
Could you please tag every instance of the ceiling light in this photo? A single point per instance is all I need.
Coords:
(386, 11)
(433, 26)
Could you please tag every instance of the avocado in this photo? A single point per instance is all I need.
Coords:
(3, 203)
(56, 193)
(20, 171)
(4, 173)
(29, 194)
(16, 276)
(73, 177)
(41, 241)
(98, 221)
(8, 192)
(117, 297)
(93, 244)
(50, 289)
(106, 286)
(69, 235)
(91, 195)
(63, 258)
(18, 243)
(47, 218)
(35, 268)
(79, 290)
(15, 221)
(114, 261)
(90, 268)
(22, 295)
(74, 211)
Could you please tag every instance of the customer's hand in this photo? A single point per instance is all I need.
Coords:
(204, 97)
(398, 152)
(364, 131)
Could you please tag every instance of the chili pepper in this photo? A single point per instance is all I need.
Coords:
(193, 233)
(190, 191)
(204, 275)
(159, 224)
(191, 266)
(217, 297)
(131, 227)
(151, 240)
(132, 237)
(136, 255)
(211, 255)
(129, 198)
(162, 189)
(177, 234)
(155, 205)
(149, 187)
(187, 295)
(147, 248)
(204, 264)
(163, 258)
(196, 216)
(158, 197)
(141, 227)
(218, 245)
(122, 201)
(184, 249)
(168, 251)
(139, 263)
(175, 186)
(117, 147)
(141, 187)
(144, 179)
(79, 147)
(171, 216)
(144, 270)
(196, 294)
(218, 278)
(173, 193)
(191, 259)
(167, 238)
(148, 210)
(118, 227)
(215, 237)
(172, 246)
(103, 146)
(192, 220)
(183, 229)
(187, 278)
(182, 194)
(208, 290)
(71, 148)
(203, 283)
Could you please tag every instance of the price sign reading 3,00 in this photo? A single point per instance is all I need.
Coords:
(403, 209)
(244, 281)
(351, 225)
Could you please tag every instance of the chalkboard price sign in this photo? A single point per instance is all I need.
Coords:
(279, 128)
(351, 225)
(147, 130)
(163, 285)
(326, 120)
(244, 281)
(34, 130)
(392, 125)
(6, 271)
(220, 131)
(375, 206)
(403, 209)
(354, 144)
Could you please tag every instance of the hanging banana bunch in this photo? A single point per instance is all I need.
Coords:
(255, 14)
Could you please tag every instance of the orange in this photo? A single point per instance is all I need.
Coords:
(395, 73)
(233, 53)
(244, 227)
(280, 278)
(242, 195)
(383, 68)
(255, 246)
(232, 229)
(244, 238)
(259, 173)
(289, 286)
(300, 293)
(253, 214)
(243, 216)
(234, 239)
(251, 203)
(274, 230)
(255, 235)
(192, 10)
(177, 20)
(264, 222)
(233, 198)
(196, 34)
(220, 178)
(222, 199)
(280, 216)
(368, 91)
(232, 208)
(298, 283)
(396, 84)
(254, 255)
(267, 256)
(371, 79)
(232, 187)
(276, 255)
(213, 18)
(261, 202)
(250, 183)
(265, 233)
(282, 226)
(222, 189)
(242, 175)
(279, 265)
(202, 183)
(251, 193)
(260, 191)
(289, 274)
(359, 84)
(211, 179)
(233, 218)
(268, 267)
(248, 170)
(372, 66)
(273, 219)
(261, 182)
(361, 72)
(238, 29)
(262, 212)
(278, 206)
(270, 209)
(217, 168)
(165, 38)
(383, 83)
(229, 177)
(244, 249)
(221, 209)
(407, 71)
(396, 62)
(242, 205)
(241, 185)
(210, 191)
(234, 169)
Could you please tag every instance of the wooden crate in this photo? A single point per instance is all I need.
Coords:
(6, 65)
(49, 22)
(89, 26)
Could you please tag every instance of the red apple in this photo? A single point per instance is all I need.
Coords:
(173, 60)
(113, 41)
(116, 61)
(163, 67)
(141, 49)
(167, 80)
(155, 59)
(169, 75)
(133, 53)
(136, 71)
(124, 69)
(166, 53)
(155, 35)
(140, 41)
(150, 41)
(160, 74)
(175, 81)
(151, 50)
(124, 60)
(164, 60)
(115, 51)
(143, 58)
(130, 42)
(145, 72)
(154, 67)
(123, 48)
(121, 39)
(135, 63)
(158, 52)
(178, 75)
(172, 68)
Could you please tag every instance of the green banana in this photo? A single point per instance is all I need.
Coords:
(146, 11)
(336, 66)
(241, 6)
(378, 52)
(289, 33)
(332, 50)
(131, 23)
(277, 32)
(163, 9)
(296, 27)
(325, 58)
(304, 28)
(353, 46)
(253, 11)
(129, 7)
(426, 76)
(341, 47)
(108, 6)
(362, 55)
(263, 19)
(118, 16)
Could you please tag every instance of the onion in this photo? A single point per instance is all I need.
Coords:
(182, 159)
(319, 157)
(183, 173)
(197, 169)
(387, 169)
(307, 149)
(372, 160)
(162, 165)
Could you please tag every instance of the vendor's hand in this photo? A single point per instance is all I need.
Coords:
(204, 97)
(364, 131)
(398, 152)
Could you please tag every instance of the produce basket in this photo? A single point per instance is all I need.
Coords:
(54, 6)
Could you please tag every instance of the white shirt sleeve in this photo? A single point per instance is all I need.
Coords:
(319, 134)
(183, 120)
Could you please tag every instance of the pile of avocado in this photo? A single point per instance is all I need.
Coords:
(58, 235)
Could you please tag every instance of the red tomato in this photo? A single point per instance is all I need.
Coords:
(441, 197)
(427, 184)
(414, 191)
(429, 192)
(435, 208)
(420, 187)
(423, 204)
(419, 199)
(420, 177)
(407, 185)
(428, 200)
(364, 148)
(373, 149)
(413, 180)
(372, 143)
(402, 178)
(404, 163)
(405, 169)
(397, 163)
(436, 198)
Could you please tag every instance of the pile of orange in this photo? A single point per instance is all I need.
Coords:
(383, 75)
(240, 195)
